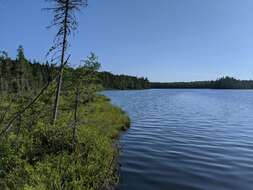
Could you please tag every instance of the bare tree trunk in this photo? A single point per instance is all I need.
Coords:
(74, 135)
(59, 82)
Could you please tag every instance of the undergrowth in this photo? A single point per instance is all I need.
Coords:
(40, 156)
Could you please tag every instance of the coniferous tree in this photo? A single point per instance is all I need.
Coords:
(20, 70)
(82, 84)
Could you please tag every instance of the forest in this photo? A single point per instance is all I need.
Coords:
(221, 83)
(20, 74)
(122, 82)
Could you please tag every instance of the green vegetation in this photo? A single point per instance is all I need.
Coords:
(122, 82)
(21, 73)
(222, 83)
(79, 150)
(38, 155)
(56, 131)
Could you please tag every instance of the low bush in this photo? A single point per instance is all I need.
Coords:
(43, 156)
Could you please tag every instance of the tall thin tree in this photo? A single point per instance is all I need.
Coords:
(64, 19)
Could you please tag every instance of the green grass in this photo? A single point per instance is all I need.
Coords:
(42, 157)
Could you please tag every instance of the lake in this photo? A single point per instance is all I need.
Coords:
(186, 139)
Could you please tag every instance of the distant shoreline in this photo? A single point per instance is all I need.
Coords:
(199, 89)
(222, 83)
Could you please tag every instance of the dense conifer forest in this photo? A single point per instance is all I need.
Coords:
(222, 83)
(122, 82)
(20, 74)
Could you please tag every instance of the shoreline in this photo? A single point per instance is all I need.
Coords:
(124, 127)
(47, 159)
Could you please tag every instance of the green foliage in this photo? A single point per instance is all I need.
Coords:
(83, 79)
(19, 75)
(78, 152)
(41, 156)
(122, 82)
(222, 83)
(22, 76)
(21, 55)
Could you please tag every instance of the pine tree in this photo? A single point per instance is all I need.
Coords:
(83, 85)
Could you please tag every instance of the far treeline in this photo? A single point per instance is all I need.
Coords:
(221, 83)
(21, 75)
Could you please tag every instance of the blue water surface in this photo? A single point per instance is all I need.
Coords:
(186, 139)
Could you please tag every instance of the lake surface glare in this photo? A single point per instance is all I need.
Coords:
(186, 139)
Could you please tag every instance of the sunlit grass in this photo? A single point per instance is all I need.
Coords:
(43, 158)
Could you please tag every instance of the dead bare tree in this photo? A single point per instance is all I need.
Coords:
(64, 19)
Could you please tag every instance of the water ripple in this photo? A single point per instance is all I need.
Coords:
(186, 140)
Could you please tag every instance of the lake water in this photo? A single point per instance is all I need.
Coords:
(186, 139)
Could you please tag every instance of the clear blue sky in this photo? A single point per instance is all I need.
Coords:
(164, 40)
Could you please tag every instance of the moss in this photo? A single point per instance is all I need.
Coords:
(44, 157)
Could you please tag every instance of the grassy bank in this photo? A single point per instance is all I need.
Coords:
(41, 156)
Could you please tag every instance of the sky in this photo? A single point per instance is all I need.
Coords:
(163, 40)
